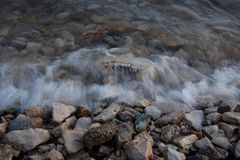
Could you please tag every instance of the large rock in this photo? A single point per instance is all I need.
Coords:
(61, 111)
(23, 122)
(153, 112)
(231, 117)
(139, 149)
(195, 118)
(72, 140)
(2, 129)
(27, 139)
(173, 118)
(186, 142)
(38, 112)
(108, 113)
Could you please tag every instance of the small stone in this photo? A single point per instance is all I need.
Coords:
(228, 129)
(141, 122)
(20, 43)
(83, 123)
(172, 154)
(55, 155)
(237, 150)
(126, 116)
(7, 152)
(104, 150)
(231, 117)
(72, 140)
(4, 31)
(38, 112)
(139, 149)
(144, 136)
(222, 142)
(71, 121)
(228, 106)
(208, 130)
(83, 112)
(44, 148)
(169, 133)
(204, 142)
(172, 118)
(210, 110)
(108, 113)
(169, 107)
(23, 122)
(213, 118)
(57, 131)
(124, 134)
(153, 112)
(61, 112)
(186, 142)
(99, 135)
(143, 103)
(3, 127)
(27, 139)
(81, 155)
(34, 47)
(195, 118)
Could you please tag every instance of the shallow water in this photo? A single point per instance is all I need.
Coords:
(185, 52)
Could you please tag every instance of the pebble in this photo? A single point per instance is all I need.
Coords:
(141, 122)
(126, 116)
(27, 139)
(227, 128)
(83, 123)
(222, 142)
(55, 155)
(208, 130)
(7, 152)
(231, 117)
(186, 142)
(213, 118)
(153, 112)
(195, 118)
(108, 113)
(237, 150)
(171, 154)
(71, 121)
(169, 107)
(172, 118)
(38, 112)
(169, 133)
(61, 111)
(3, 127)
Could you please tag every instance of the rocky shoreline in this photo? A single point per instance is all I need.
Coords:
(119, 131)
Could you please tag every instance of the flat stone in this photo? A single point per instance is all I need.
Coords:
(126, 116)
(143, 103)
(108, 113)
(222, 142)
(83, 123)
(170, 153)
(195, 118)
(23, 122)
(27, 139)
(237, 150)
(228, 129)
(169, 107)
(171, 118)
(208, 130)
(61, 111)
(186, 142)
(72, 140)
(231, 117)
(210, 110)
(55, 155)
(139, 149)
(38, 112)
(153, 112)
(213, 118)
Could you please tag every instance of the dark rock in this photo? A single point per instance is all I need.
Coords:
(141, 122)
(38, 112)
(231, 117)
(227, 128)
(126, 116)
(83, 112)
(169, 133)
(195, 118)
(213, 118)
(172, 118)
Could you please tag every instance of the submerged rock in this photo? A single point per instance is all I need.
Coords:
(195, 118)
(141, 122)
(27, 139)
(173, 118)
(61, 111)
(99, 135)
(153, 112)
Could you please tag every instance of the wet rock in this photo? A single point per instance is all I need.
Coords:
(44, 148)
(169, 133)
(141, 122)
(208, 130)
(210, 110)
(171, 153)
(169, 107)
(139, 149)
(57, 131)
(34, 47)
(55, 155)
(83, 112)
(83, 123)
(72, 140)
(231, 117)
(23, 122)
(222, 142)
(186, 142)
(124, 134)
(81, 155)
(104, 150)
(38, 112)
(195, 118)
(119, 155)
(20, 43)
(99, 135)
(7, 152)
(143, 103)
(227, 128)
(172, 118)
(126, 116)
(27, 139)
(153, 112)
(4, 31)
(3, 127)
(228, 106)
(61, 111)
(213, 118)
(237, 150)
(108, 113)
